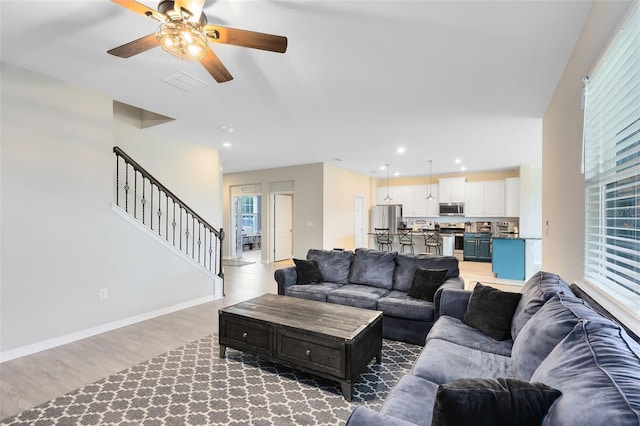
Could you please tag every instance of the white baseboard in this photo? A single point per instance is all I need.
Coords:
(83, 334)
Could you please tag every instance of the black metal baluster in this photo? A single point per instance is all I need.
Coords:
(187, 234)
(151, 206)
(193, 240)
(117, 180)
(199, 239)
(159, 211)
(173, 223)
(143, 200)
(166, 221)
(180, 228)
(210, 248)
(135, 193)
(126, 187)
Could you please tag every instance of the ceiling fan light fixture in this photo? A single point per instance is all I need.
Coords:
(183, 40)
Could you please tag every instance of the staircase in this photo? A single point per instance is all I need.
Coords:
(156, 208)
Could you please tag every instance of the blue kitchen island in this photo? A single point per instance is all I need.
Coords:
(509, 257)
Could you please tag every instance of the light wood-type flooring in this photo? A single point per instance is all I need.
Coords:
(31, 380)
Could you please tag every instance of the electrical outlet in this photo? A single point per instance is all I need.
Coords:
(104, 293)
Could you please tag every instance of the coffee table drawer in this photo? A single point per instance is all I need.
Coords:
(247, 335)
(311, 352)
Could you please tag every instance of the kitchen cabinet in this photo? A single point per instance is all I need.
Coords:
(395, 192)
(452, 190)
(512, 197)
(509, 258)
(485, 198)
(477, 247)
(421, 206)
(413, 199)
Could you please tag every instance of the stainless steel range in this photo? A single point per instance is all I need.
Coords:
(457, 230)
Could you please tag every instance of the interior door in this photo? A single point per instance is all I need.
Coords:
(283, 227)
(237, 227)
(359, 226)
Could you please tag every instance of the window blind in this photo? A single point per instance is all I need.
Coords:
(612, 170)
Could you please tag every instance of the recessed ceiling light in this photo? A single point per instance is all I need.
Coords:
(227, 129)
(457, 161)
(227, 144)
(383, 167)
(463, 168)
(396, 174)
(400, 150)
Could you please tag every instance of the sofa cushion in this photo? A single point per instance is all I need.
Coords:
(411, 399)
(502, 401)
(398, 304)
(442, 362)
(311, 291)
(455, 331)
(426, 282)
(374, 268)
(541, 287)
(406, 265)
(597, 369)
(490, 310)
(308, 271)
(547, 327)
(360, 296)
(334, 265)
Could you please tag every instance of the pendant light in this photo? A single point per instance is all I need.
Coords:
(430, 197)
(387, 198)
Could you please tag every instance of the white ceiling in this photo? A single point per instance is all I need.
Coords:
(443, 79)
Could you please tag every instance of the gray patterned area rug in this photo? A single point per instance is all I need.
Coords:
(192, 385)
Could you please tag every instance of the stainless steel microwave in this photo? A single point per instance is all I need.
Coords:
(451, 209)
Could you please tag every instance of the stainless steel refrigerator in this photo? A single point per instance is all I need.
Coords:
(386, 216)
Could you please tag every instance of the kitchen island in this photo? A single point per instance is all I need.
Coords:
(509, 257)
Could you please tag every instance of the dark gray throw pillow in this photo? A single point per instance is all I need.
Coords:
(308, 271)
(501, 401)
(426, 282)
(491, 310)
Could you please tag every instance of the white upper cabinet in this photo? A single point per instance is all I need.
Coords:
(512, 197)
(395, 192)
(413, 199)
(485, 199)
(452, 190)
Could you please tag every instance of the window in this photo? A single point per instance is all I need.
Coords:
(612, 173)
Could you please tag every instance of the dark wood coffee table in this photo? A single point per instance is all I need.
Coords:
(332, 341)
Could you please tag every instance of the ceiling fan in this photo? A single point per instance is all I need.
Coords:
(184, 32)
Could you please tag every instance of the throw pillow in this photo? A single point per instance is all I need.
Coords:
(308, 271)
(504, 401)
(426, 282)
(491, 310)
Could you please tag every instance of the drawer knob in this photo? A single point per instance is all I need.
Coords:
(308, 352)
(244, 335)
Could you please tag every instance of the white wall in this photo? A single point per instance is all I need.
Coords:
(60, 241)
(562, 183)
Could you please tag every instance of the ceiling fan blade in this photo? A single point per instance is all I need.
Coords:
(141, 9)
(193, 6)
(215, 67)
(252, 39)
(134, 47)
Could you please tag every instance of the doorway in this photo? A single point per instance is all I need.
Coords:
(247, 224)
(360, 224)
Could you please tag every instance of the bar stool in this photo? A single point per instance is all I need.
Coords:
(383, 238)
(405, 238)
(432, 240)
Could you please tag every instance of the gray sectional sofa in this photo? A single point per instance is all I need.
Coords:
(374, 279)
(557, 342)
